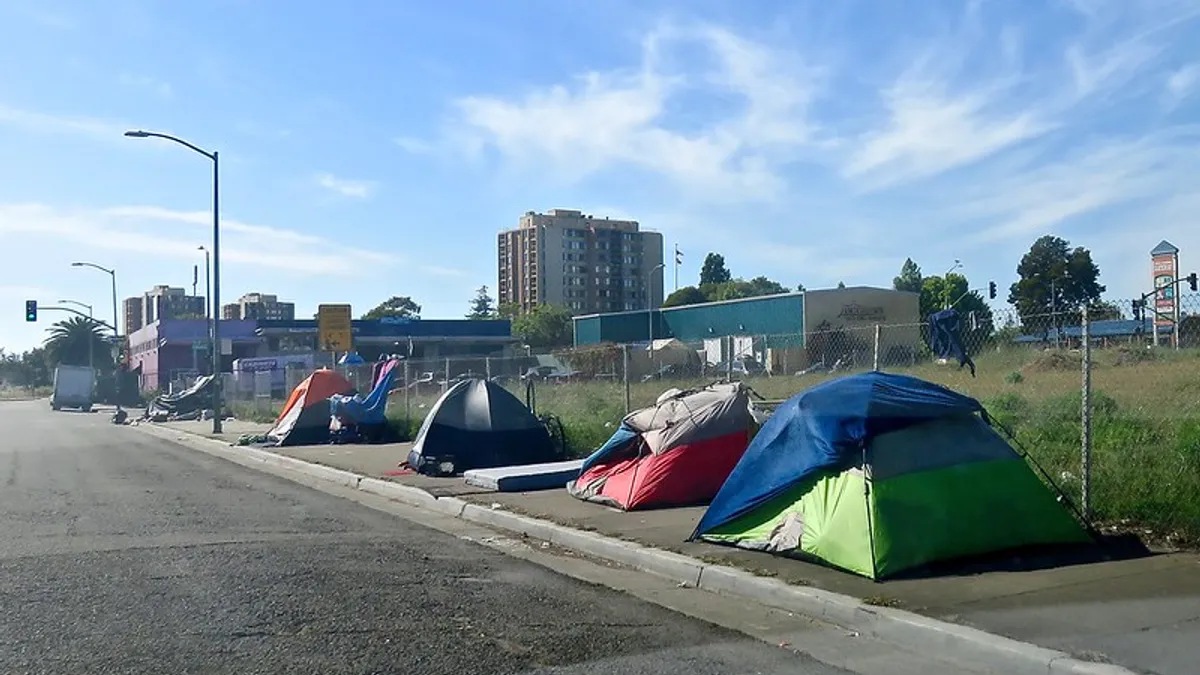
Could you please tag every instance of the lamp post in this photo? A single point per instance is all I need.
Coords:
(650, 303)
(91, 342)
(116, 334)
(207, 283)
(215, 300)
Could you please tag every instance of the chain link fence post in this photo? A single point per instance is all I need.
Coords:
(407, 401)
(729, 345)
(875, 365)
(1086, 417)
(625, 376)
(446, 380)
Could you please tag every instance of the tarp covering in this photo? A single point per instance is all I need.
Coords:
(677, 452)
(945, 338)
(191, 400)
(305, 417)
(357, 410)
(827, 427)
(478, 424)
(877, 474)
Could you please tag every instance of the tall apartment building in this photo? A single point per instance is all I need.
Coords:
(259, 306)
(586, 264)
(159, 303)
(135, 313)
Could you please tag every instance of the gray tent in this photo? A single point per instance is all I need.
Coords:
(477, 424)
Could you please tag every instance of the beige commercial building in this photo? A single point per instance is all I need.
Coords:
(259, 306)
(585, 263)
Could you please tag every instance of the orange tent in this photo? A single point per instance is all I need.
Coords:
(304, 419)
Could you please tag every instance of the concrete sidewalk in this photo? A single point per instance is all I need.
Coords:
(1129, 607)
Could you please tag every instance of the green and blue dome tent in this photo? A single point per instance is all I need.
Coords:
(880, 473)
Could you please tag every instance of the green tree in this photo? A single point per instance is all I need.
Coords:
(1054, 278)
(400, 306)
(545, 327)
(800, 288)
(508, 310)
(714, 270)
(688, 295)
(910, 277)
(78, 341)
(841, 284)
(483, 306)
(1105, 311)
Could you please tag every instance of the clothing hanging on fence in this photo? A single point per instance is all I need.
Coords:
(945, 338)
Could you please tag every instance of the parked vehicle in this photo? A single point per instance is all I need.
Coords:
(73, 387)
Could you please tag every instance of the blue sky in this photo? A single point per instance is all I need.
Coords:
(376, 148)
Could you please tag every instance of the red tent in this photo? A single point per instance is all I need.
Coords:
(677, 452)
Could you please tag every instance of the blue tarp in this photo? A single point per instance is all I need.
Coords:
(826, 427)
(618, 440)
(372, 409)
(945, 338)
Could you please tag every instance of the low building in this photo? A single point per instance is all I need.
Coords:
(414, 338)
(785, 332)
(166, 351)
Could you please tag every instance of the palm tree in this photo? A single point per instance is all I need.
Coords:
(75, 341)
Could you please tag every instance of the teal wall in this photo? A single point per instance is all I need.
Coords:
(774, 315)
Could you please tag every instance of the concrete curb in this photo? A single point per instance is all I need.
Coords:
(969, 646)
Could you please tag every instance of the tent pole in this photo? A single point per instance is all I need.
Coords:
(866, 469)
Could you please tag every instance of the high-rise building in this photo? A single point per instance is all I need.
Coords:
(135, 313)
(159, 303)
(586, 264)
(259, 306)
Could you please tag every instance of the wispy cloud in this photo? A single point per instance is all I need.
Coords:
(357, 189)
(439, 271)
(1181, 83)
(51, 123)
(153, 85)
(39, 14)
(148, 230)
(624, 117)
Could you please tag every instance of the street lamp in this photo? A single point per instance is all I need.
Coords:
(91, 342)
(215, 300)
(207, 284)
(650, 302)
(116, 334)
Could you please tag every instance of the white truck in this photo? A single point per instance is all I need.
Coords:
(72, 388)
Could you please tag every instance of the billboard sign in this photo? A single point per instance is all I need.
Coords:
(334, 332)
(1164, 270)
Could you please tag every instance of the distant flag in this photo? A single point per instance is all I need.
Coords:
(678, 255)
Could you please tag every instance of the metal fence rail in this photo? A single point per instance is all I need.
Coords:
(1114, 419)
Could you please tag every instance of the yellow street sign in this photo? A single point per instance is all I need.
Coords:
(334, 333)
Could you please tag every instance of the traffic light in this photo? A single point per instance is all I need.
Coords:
(1137, 310)
(1192, 281)
(31, 310)
(992, 290)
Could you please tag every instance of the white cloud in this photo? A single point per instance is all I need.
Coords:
(153, 231)
(623, 117)
(145, 82)
(440, 271)
(1181, 83)
(50, 123)
(358, 189)
(414, 146)
(931, 130)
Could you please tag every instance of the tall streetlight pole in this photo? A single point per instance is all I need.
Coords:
(116, 334)
(91, 342)
(650, 302)
(207, 284)
(216, 265)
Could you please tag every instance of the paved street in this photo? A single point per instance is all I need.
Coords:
(123, 552)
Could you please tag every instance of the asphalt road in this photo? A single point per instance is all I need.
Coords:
(121, 552)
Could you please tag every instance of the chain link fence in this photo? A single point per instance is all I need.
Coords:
(1112, 417)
